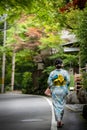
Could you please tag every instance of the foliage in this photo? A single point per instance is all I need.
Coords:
(48, 69)
(7, 88)
(71, 60)
(15, 7)
(27, 82)
(72, 19)
(51, 41)
(18, 80)
(47, 10)
(72, 84)
(42, 80)
(44, 15)
(24, 62)
(84, 80)
(82, 37)
(68, 59)
(1, 34)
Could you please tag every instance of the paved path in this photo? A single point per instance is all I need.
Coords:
(73, 119)
(24, 112)
(31, 112)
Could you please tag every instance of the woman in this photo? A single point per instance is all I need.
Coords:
(58, 82)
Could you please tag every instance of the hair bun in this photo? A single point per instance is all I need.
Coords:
(58, 62)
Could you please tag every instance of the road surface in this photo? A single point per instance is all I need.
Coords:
(24, 112)
(33, 112)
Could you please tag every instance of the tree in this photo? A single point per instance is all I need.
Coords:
(44, 18)
(81, 33)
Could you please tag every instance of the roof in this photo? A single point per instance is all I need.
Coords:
(69, 43)
(72, 49)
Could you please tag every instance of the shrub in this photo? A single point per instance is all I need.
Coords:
(27, 83)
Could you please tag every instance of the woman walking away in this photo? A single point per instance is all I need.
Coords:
(58, 82)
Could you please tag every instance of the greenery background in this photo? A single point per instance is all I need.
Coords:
(49, 20)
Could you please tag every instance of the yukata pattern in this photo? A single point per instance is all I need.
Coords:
(59, 91)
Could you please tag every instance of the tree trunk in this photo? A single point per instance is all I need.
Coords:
(3, 59)
(13, 71)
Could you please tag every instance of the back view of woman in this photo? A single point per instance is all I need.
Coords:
(58, 82)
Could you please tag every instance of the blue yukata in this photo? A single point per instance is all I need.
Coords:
(58, 82)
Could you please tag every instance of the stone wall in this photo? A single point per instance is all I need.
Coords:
(82, 96)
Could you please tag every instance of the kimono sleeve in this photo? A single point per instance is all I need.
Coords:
(49, 81)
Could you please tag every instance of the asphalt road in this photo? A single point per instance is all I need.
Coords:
(74, 121)
(24, 112)
(32, 112)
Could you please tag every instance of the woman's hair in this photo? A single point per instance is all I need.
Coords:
(58, 63)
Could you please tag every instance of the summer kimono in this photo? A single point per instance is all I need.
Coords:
(58, 82)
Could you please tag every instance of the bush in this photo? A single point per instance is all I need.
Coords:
(84, 80)
(7, 88)
(27, 83)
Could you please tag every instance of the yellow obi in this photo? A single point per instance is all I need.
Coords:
(60, 81)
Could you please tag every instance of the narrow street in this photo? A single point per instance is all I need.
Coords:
(33, 112)
(74, 120)
(24, 112)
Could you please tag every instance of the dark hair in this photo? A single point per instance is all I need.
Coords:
(58, 63)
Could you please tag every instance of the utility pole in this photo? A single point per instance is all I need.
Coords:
(4, 56)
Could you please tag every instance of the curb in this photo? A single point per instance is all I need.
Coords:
(75, 107)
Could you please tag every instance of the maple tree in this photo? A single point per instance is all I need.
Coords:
(34, 24)
(74, 4)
